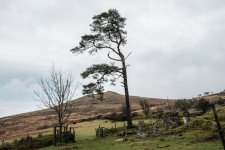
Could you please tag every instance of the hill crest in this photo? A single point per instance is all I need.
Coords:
(20, 125)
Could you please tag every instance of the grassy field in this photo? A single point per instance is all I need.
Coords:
(188, 141)
(86, 130)
(193, 139)
(199, 134)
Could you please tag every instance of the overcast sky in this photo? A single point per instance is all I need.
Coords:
(178, 48)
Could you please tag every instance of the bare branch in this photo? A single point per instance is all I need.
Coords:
(128, 55)
(55, 92)
(113, 58)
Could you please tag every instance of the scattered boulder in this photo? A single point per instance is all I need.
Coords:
(120, 140)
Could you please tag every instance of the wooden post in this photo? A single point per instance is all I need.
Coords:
(102, 133)
(99, 132)
(96, 132)
(3, 141)
(74, 134)
(62, 137)
(66, 134)
(218, 125)
(54, 134)
(125, 126)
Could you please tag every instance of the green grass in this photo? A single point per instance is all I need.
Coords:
(194, 136)
(188, 141)
(86, 130)
(193, 139)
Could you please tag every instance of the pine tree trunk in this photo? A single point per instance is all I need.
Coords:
(127, 100)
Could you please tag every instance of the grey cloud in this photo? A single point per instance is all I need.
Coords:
(177, 46)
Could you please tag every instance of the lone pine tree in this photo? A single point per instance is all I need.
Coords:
(108, 34)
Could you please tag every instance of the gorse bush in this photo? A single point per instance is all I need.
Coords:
(116, 117)
(28, 143)
(145, 107)
(202, 105)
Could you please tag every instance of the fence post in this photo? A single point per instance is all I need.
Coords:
(218, 125)
(74, 134)
(102, 132)
(54, 134)
(66, 134)
(96, 133)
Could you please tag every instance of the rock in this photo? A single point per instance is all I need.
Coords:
(120, 140)
(121, 134)
(142, 134)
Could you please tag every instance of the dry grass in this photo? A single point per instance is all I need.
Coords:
(17, 126)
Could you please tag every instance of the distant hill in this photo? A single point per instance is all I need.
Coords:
(20, 125)
(86, 107)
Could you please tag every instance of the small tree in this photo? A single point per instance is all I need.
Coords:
(55, 92)
(206, 93)
(202, 105)
(108, 34)
(183, 106)
(145, 107)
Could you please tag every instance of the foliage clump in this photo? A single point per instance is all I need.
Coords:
(202, 105)
(116, 117)
(145, 107)
(202, 124)
(28, 143)
(100, 73)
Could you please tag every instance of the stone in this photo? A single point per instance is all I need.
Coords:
(120, 140)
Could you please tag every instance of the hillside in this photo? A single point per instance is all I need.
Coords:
(20, 125)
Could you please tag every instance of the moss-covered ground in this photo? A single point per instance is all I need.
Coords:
(199, 134)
